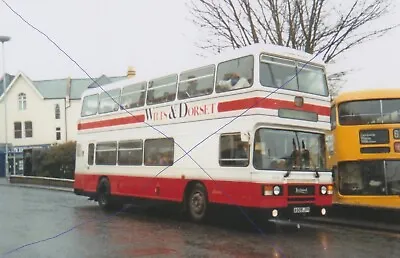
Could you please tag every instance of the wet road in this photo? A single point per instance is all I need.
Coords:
(29, 215)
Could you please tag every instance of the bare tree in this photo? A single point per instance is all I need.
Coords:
(314, 26)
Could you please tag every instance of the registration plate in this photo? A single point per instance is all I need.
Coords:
(301, 209)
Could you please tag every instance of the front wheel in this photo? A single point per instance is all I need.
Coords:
(198, 203)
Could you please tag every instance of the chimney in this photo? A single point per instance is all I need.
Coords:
(131, 72)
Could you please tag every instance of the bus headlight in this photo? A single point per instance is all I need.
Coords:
(397, 146)
(277, 190)
(324, 190)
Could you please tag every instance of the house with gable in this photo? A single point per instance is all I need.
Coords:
(40, 113)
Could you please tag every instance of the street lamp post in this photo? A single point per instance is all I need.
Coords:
(4, 39)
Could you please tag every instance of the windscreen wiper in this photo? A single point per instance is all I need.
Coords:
(316, 173)
(287, 173)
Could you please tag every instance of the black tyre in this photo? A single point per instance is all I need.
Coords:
(104, 197)
(197, 203)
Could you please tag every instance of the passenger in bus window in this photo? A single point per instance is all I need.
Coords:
(242, 152)
(233, 81)
(141, 99)
(164, 159)
(150, 96)
(192, 86)
(150, 160)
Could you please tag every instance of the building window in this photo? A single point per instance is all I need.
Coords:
(17, 130)
(28, 129)
(22, 101)
(21, 164)
(58, 133)
(57, 111)
(233, 152)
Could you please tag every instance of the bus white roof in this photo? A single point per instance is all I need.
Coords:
(254, 49)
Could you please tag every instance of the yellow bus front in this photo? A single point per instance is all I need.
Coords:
(366, 155)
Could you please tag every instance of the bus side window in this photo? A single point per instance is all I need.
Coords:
(130, 153)
(233, 152)
(162, 89)
(106, 153)
(235, 74)
(133, 95)
(90, 105)
(91, 154)
(195, 83)
(159, 152)
(109, 101)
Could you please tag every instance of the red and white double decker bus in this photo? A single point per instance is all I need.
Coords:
(271, 157)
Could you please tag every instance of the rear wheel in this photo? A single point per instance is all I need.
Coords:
(104, 197)
(197, 203)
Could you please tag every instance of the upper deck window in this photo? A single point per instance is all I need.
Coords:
(278, 72)
(89, 105)
(364, 112)
(109, 101)
(235, 74)
(162, 89)
(195, 83)
(133, 95)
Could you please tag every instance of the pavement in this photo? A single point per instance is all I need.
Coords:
(5, 182)
(360, 223)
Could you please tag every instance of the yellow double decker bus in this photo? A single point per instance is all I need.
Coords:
(365, 148)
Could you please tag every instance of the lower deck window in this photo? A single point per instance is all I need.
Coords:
(159, 152)
(91, 153)
(106, 153)
(130, 153)
(372, 177)
(233, 152)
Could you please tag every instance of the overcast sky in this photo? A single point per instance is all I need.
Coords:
(105, 37)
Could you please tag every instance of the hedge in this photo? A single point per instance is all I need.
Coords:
(58, 161)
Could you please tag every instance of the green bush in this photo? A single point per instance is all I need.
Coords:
(58, 161)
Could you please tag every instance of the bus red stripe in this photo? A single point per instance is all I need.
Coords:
(112, 122)
(258, 102)
(248, 194)
(226, 106)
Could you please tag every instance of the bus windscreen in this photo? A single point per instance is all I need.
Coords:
(278, 149)
(363, 112)
(277, 72)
